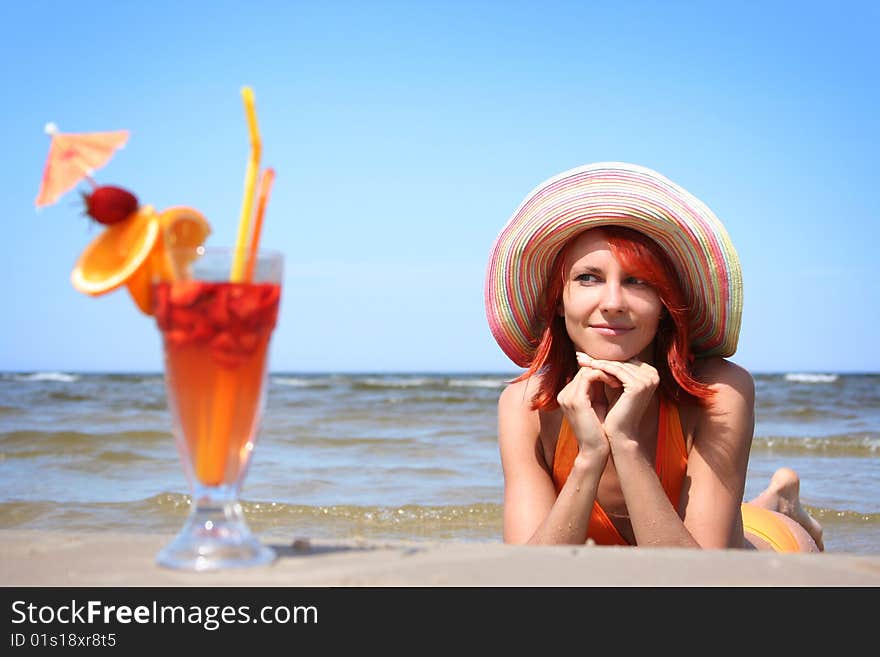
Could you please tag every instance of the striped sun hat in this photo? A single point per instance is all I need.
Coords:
(618, 194)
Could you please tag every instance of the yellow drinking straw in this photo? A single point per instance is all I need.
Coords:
(213, 441)
(250, 178)
(266, 179)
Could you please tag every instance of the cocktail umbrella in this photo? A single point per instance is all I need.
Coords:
(74, 156)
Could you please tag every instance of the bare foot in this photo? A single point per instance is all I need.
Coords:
(783, 496)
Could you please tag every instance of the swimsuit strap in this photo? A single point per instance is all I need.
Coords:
(672, 457)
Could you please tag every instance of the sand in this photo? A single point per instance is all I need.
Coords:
(41, 558)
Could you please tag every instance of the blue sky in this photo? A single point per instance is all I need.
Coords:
(404, 134)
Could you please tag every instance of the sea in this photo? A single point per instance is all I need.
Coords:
(378, 456)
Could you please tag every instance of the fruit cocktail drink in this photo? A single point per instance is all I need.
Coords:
(216, 335)
(216, 309)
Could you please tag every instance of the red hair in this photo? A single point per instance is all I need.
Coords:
(641, 257)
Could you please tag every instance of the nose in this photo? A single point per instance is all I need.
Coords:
(612, 299)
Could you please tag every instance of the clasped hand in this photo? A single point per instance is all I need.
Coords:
(596, 423)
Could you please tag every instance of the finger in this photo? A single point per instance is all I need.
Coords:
(646, 371)
(652, 375)
(595, 375)
(629, 372)
(592, 391)
(589, 377)
(623, 371)
(586, 361)
(574, 390)
(640, 365)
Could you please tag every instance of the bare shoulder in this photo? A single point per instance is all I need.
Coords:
(732, 383)
(517, 396)
(516, 418)
(725, 423)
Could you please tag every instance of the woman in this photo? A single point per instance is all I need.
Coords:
(621, 294)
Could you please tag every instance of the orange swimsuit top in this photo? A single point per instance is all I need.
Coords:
(670, 463)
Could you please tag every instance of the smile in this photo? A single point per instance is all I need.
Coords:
(604, 329)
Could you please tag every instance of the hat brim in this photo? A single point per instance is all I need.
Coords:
(618, 194)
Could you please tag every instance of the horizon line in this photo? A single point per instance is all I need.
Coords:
(430, 372)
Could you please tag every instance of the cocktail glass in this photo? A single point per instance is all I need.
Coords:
(216, 336)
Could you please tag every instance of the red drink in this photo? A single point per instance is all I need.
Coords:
(216, 337)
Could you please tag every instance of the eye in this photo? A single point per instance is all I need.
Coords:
(587, 278)
(632, 280)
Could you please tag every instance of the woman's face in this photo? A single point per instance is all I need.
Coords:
(608, 313)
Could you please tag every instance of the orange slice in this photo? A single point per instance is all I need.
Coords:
(181, 227)
(178, 227)
(114, 256)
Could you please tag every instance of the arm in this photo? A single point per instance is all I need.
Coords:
(717, 463)
(709, 505)
(532, 511)
(655, 521)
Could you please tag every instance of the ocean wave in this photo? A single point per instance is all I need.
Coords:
(296, 382)
(343, 441)
(867, 445)
(393, 382)
(356, 382)
(435, 382)
(479, 521)
(811, 378)
(478, 383)
(828, 516)
(447, 397)
(165, 512)
(60, 377)
(36, 443)
(63, 395)
(803, 413)
(144, 379)
(382, 514)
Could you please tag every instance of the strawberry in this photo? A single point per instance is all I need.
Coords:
(110, 205)
(186, 292)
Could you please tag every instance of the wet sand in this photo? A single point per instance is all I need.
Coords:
(40, 558)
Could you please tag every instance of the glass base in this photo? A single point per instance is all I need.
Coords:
(214, 537)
